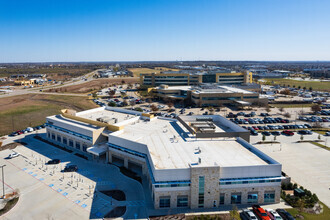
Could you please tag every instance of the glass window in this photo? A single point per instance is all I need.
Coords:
(65, 141)
(269, 197)
(84, 147)
(201, 191)
(222, 198)
(164, 202)
(53, 136)
(70, 143)
(48, 134)
(78, 145)
(252, 197)
(236, 198)
(182, 201)
(59, 138)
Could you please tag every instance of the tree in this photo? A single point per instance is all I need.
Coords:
(234, 214)
(112, 104)
(299, 87)
(287, 115)
(94, 95)
(123, 82)
(310, 89)
(274, 138)
(301, 137)
(281, 109)
(316, 108)
(267, 109)
(263, 137)
(285, 92)
(125, 103)
(319, 137)
(154, 108)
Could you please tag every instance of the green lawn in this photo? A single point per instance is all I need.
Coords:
(316, 85)
(324, 216)
(321, 145)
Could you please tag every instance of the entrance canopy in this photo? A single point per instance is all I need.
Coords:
(98, 149)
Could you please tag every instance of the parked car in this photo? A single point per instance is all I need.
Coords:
(54, 161)
(247, 214)
(70, 168)
(13, 134)
(284, 214)
(288, 133)
(276, 133)
(13, 155)
(260, 212)
(253, 132)
(273, 215)
(266, 133)
(327, 133)
(303, 132)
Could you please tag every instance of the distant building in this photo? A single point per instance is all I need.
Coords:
(209, 94)
(187, 78)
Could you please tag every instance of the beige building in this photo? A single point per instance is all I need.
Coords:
(185, 78)
(190, 162)
(209, 94)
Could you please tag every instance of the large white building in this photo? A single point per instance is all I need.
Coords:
(191, 161)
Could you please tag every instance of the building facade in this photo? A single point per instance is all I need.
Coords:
(194, 78)
(190, 162)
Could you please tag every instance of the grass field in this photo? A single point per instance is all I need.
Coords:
(19, 112)
(137, 71)
(316, 85)
(291, 105)
(93, 85)
(324, 216)
(56, 73)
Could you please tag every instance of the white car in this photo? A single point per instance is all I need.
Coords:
(248, 214)
(12, 155)
(327, 133)
(273, 215)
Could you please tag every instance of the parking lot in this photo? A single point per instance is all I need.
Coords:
(307, 164)
(48, 193)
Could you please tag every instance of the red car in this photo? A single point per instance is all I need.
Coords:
(19, 132)
(288, 132)
(260, 212)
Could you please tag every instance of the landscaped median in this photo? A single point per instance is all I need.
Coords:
(8, 202)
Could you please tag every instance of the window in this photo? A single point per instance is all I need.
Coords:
(70, 143)
(222, 199)
(252, 197)
(53, 136)
(84, 147)
(59, 138)
(48, 134)
(269, 197)
(78, 145)
(65, 141)
(164, 202)
(201, 191)
(182, 201)
(236, 198)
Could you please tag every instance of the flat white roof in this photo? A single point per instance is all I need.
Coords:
(104, 113)
(168, 150)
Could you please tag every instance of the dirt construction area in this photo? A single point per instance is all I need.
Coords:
(95, 85)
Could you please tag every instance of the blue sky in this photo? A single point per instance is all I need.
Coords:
(156, 30)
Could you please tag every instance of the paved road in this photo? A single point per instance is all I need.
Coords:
(307, 164)
(48, 193)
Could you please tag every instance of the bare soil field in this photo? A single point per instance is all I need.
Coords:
(19, 112)
(94, 85)
(137, 71)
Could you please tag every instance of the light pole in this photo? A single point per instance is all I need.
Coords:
(3, 182)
